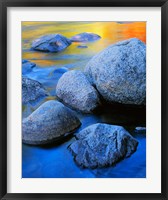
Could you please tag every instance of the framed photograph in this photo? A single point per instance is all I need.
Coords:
(83, 99)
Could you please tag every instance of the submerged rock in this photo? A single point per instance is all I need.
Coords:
(140, 130)
(50, 122)
(74, 89)
(24, 61)
(85, 37)
(102, 145)
(124, 22)
(51, 43)
(60, 70)
(27, 66)
(82, 46)
(119, 72)
(32, 90)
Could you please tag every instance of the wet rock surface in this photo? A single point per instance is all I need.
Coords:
(51, 43)
(85, 37)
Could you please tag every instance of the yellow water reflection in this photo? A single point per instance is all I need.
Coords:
(110, 32)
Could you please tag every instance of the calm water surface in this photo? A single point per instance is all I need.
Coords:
(55, 161)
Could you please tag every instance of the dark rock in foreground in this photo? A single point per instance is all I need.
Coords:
(119, 72)
(85, 37)
(74, 89)
(51, 43)
(32, 90)
(102, 145)
(27, 66)
(50, 122)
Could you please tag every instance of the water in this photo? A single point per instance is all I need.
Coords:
(55, 161)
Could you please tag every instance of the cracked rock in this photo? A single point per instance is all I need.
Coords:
(102, 145)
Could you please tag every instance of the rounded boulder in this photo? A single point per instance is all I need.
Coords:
(119, 72)
(75, 90)
(50, 122)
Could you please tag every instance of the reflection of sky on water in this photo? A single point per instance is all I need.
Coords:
(56, 161)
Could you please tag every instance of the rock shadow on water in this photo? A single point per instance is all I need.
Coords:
(58, 141)
(120, 114)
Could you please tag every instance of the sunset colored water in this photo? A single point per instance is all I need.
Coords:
(110, 32)
(56, 161)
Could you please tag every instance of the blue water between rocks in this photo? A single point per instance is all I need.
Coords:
(57, 161)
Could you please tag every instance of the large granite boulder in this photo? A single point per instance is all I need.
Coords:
(32, 90)
(102, 145)
(75, 90)
(50, 122)
(85, 37)
(51, 43)
(119, 72)
(27, 66)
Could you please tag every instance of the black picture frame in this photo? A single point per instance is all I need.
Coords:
(4, 4)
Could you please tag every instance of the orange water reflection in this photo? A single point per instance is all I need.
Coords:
(110, 32)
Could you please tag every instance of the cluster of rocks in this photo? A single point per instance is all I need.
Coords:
(117, 74)
(58, 42)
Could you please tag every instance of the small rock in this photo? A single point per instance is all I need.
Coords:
(102, 145)
(27, 66)
(74, 89)
(85, 37)
(82, 46)
(49, 123)
(119, 72)
(126, 22)
(51, 43)
(140, 129)
(32, 90)
(60, 70)
(24, 61)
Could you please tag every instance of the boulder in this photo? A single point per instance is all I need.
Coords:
(119, 72)
(51, 43)
(85, 37)
(27, 66)
(74, 89)
(102, 145)
(50, 122)
(32, 90)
